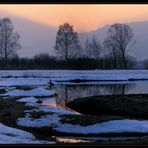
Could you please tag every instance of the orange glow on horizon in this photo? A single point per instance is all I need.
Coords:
(84, 17)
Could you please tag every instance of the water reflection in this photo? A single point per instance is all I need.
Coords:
(96, 139)
(71, 140)
(66, 93)
(117, 89)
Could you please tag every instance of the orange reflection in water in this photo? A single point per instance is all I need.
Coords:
(71, 140)
(50, 102)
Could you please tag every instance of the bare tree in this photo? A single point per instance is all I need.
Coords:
(111, 47)
(119, 40)
(67, 42)
(86, 49)
(94, 48)
(8, 40)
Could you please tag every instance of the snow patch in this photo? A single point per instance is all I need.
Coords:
(9, 135)
(28, 100)
(23, 81)
(53, 120)
(42, 77)
(115, 126)
(45, 121)
(34, 92)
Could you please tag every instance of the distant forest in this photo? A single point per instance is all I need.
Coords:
(111, 54)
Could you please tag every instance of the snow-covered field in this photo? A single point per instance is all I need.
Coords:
(38, 80)
(104, 74)
(39, 91)
(42, 77)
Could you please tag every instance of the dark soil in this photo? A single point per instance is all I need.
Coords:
(2, 91)
(25, 88)
(85, 120)
(38, 114)
(96, 108)
(10, 110)
(132, 106)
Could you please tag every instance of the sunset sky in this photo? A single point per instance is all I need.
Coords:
(84, 17)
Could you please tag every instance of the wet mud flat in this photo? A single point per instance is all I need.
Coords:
(115, 107)
(11, 110)
(132, 106)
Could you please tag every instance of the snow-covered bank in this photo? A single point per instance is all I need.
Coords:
(34, 92)
(28, 99)
(44, 117)
(115, 126)
(42, 77)
(9, 135)
(23, 81)
(52, 118)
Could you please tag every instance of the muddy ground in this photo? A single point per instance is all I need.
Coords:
(131, 106)
(105, 108)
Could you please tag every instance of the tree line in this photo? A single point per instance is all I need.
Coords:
(117, 43)
(111, 54)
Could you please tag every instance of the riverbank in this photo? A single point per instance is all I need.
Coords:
(132, 106)
(49, 123)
